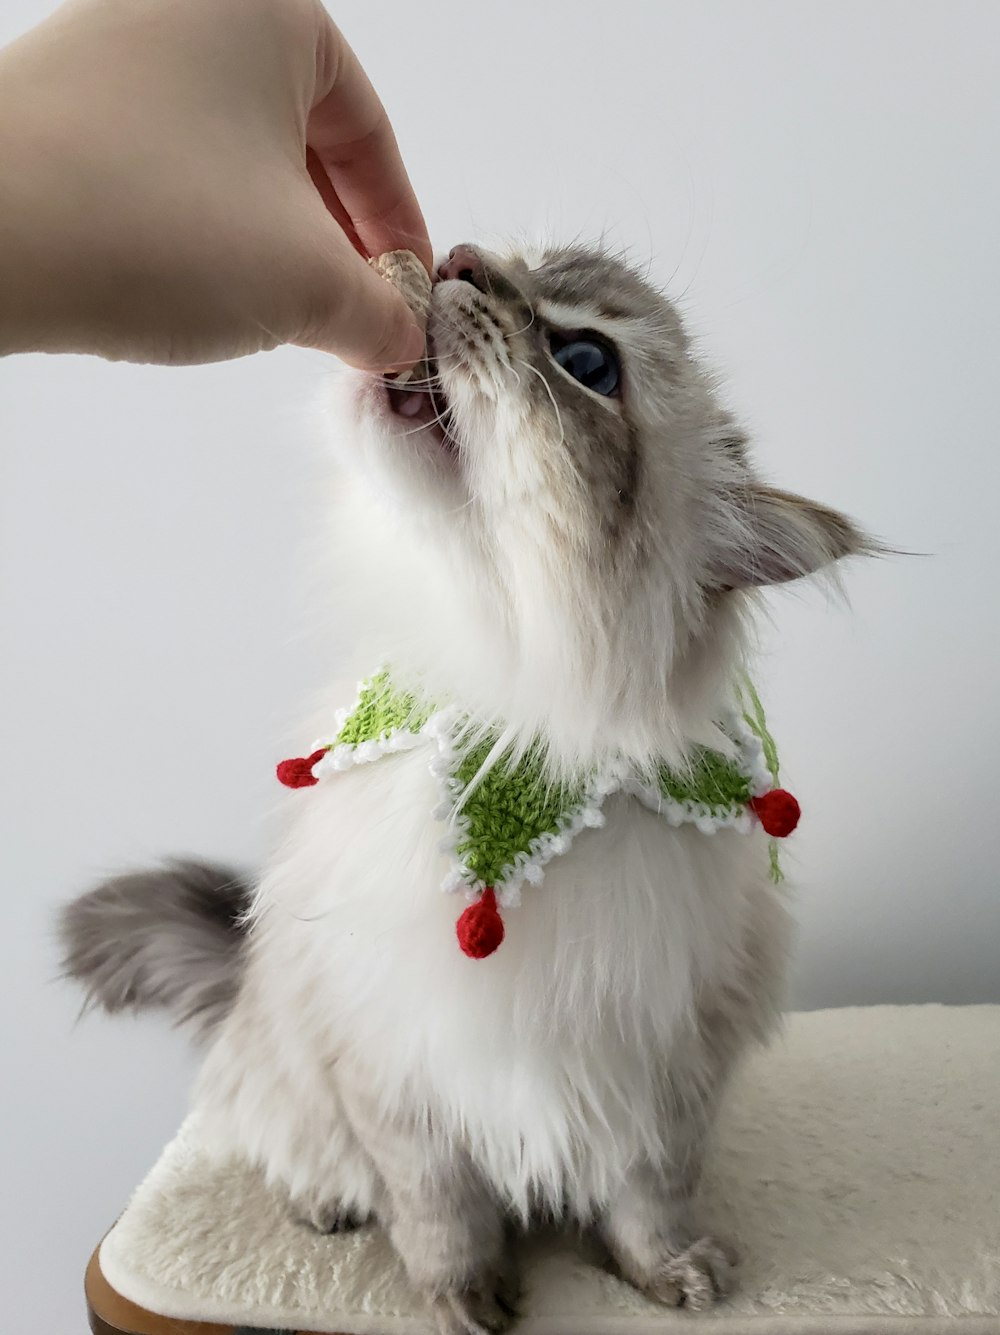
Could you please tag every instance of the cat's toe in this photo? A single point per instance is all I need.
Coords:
(697, 1277)
(508, 1289)
(482, 1311)
(345, 1221)
(332, 1217)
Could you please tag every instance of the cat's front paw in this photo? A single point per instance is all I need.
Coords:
(485, 1309)
(696, 1277)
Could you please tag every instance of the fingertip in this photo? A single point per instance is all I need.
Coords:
(413, 347)
(366, 323)
(389, 337)
(393, 354)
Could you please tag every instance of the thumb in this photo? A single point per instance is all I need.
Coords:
(358, 316)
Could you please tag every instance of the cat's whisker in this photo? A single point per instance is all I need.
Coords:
(548, 389)
(436, 420)
(457, 509)
(524, 328)
(422, 386)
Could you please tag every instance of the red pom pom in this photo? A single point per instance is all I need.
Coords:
(480, 928)
(777, 811)
(297, 773)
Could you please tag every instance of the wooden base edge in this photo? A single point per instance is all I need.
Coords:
(108, 1313)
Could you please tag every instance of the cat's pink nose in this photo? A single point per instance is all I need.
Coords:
(465, 263)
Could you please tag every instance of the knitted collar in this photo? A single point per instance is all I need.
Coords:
(506, 823)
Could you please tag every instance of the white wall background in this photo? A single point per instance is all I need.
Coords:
(818, 183)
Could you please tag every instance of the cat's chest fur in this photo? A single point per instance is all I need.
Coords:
(550, 1061)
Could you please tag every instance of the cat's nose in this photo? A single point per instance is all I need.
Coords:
(466, 264)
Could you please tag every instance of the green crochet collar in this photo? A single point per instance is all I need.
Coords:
(506, 822)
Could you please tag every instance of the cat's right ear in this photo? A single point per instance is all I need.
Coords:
(775, 536)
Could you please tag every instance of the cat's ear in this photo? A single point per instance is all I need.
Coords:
(777, 536)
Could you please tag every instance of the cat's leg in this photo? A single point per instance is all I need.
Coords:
(291, 1124)
(441, 1217)
(343, 1188)
(651, 1233)
(650, 1227)
(449, 1230)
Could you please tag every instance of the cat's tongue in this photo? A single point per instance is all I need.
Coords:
(406, 402)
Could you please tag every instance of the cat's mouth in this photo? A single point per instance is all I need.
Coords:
(424, 405)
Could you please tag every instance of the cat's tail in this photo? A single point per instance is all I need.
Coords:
(171, 938)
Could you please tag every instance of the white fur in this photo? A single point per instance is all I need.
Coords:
(651, 954)
(549, 1058)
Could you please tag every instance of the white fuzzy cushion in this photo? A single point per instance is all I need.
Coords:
(857, 1166)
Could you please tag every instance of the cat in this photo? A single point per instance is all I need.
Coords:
(561, 532)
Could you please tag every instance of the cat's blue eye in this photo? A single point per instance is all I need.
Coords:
(588, 360)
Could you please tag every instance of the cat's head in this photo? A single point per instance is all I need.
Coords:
(568, 483)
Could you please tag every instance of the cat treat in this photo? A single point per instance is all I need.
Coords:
(411, 280)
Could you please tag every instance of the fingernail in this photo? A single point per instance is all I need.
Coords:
(414, 347)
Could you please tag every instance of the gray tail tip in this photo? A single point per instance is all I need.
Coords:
(168, 938)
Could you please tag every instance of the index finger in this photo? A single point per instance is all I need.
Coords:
(350, 134)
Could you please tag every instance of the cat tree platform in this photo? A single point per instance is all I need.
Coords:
(856, 1166)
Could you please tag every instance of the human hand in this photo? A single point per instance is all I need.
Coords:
(158, 202)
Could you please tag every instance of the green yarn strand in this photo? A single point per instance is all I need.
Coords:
(777, 875)
(757, 721)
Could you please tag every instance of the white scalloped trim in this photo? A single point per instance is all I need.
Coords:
(707, 819)
(347, 754)
(342, 756)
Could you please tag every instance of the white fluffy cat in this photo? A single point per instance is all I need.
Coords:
(562, 534)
